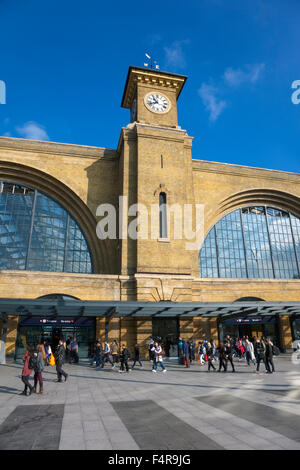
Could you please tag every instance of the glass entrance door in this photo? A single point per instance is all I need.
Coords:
(34, 334)
(166, 330)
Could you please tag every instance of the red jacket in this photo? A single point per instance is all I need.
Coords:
(26, 370)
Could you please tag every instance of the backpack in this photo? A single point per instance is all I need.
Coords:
(32, 363)
(275, 350)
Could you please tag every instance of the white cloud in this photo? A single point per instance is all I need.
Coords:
(212, 104)
(235, 77)
(174, 54)
(33, 130)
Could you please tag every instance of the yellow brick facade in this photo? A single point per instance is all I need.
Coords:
(153, 155)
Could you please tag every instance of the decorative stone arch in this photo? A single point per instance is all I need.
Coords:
(260, 196)
(162, 188)
(57, 296)
(249, 299)
(24, 174)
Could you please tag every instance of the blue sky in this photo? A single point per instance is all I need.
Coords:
(65, 64)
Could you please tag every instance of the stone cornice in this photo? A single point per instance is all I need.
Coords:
(174, 134)
(246, 171)
(57, 148)
(150, 77)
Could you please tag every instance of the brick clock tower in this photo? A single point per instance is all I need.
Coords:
(155, 168)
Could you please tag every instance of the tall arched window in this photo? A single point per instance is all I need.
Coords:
(253, 242)
(163, 229)
(38, 234)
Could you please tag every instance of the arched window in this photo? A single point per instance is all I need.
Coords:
(253, 242)
(57, 297)
(163, 229)
(38, 234)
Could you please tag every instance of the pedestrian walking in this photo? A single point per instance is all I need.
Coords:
(260, 354)
(68, 349)
(27, 369)
(60, 357)
(192, 350)
(48, 351)
(200, 353)
(150, 352)
(107, 355)
(209, 353)
(228, 356)
(186, 353)
(214, 349)
(249, 352)
(180, 347)
(240, 349)
(97, 355)
(222, 359)
(38, 369)
(158, 357)
(269, 356)
(124, 357)
(74, 351)
(115, 351)
(136, 357)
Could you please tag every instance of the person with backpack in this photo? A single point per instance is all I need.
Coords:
(158, 357)
(27, 369)
(136, 356)
(124, 357)
(60, 356)
(269, 356)
(38, 369)
(150, 352)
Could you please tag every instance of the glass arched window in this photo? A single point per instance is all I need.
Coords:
(253, 242)
(163, 230)
(38, 234)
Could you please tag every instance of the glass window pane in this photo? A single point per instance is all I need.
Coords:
(34, 229)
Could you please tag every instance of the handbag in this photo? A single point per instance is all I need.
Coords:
(51, 360)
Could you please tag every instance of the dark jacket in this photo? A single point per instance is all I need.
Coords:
(125, 355)
(98, 350)
(40, 363)
(136, 352)
(209, 353)
(60, 354)
(269, 351)
(228, 351)
(260, 349)
(186, 348)
(222, 351)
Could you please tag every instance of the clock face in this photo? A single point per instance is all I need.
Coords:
(157, 103)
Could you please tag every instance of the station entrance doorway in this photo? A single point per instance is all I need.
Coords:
(37, 329)
(253, 327)
(166, 330)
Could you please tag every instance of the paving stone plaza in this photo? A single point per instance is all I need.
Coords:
(184, 409)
